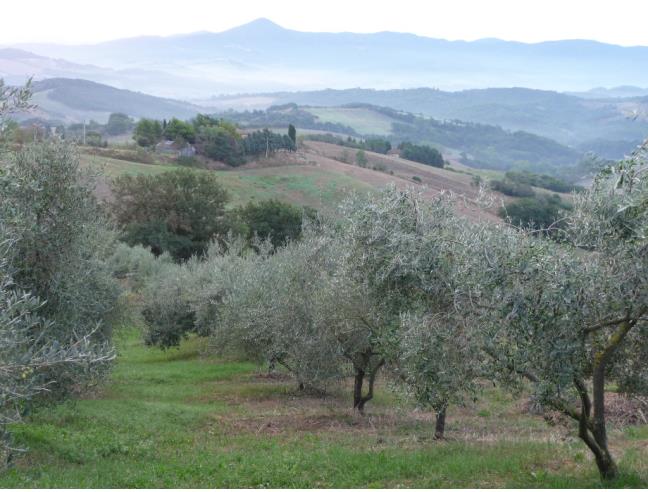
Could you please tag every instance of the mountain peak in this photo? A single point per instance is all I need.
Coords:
(260, 25)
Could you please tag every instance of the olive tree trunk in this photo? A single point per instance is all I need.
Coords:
(359, 400)
(439, 428)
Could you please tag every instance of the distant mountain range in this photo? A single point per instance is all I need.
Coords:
(623, 91)
(262, 56)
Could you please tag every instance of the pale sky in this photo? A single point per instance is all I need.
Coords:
(623, 22)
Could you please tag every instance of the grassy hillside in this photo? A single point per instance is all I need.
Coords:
(306, 184)
(183, 420)
(316, 177)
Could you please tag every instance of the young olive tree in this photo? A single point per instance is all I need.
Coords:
(166, 304)
(269, 307)
(570, 317)
(347, 312)
(403, 249)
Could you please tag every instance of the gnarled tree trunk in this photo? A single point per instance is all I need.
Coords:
(359, 400)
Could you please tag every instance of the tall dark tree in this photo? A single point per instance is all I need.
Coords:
(118, 124)
(292, 133)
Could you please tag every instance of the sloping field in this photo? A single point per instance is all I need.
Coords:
(402, 173)
(303, 184)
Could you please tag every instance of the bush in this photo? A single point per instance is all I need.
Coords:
(541, 212)
(166, 309)
(378, 145)
(542, 181)
(187, 161)
(180, 131)
(136, 263)
(147, 133)
(118, 124)
(361, 158)
(511, 188)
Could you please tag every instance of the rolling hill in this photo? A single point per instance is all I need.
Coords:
(477, 145)
(610, 127)
(75, 100)
(262, 56)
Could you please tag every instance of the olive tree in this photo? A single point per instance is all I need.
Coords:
(349, 314)
(268, 307)
(27, 362)
(59, 298)
(62, 239)
(569, 317)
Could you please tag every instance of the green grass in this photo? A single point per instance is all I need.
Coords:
(112, 168)
(303, 185)
(181, 419)
(362, 120)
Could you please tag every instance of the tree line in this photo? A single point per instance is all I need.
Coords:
(214, 138)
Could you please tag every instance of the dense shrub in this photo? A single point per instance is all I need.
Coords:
(511, 188)
(166, 306)
(119, 124)
(147, 132)
(136, 263)
(220, 142)
(378, 145)
(179, 131)
(541, 181)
